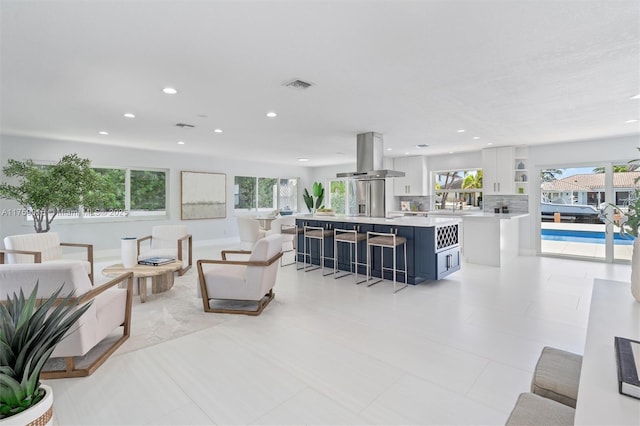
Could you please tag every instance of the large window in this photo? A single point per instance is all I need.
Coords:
(458, 189)
(265, 193)
(132, 192)
(341, 197)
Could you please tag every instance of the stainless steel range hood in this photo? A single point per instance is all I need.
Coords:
(370, 159)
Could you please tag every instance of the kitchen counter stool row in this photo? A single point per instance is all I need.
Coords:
(401, 254)
(348, 243)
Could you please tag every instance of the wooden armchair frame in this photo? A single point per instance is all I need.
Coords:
(188, 238)
(37, 255)
(262, 303)
(70, 368)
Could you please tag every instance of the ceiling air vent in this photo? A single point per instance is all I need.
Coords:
(298, 84)
(183, 125)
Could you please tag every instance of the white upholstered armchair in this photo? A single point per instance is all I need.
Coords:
(168, 241)
(108, 316)
(44, 247)
(249, 280)
(286, 227)
(249, 231)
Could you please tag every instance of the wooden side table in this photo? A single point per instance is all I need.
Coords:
(161, 276)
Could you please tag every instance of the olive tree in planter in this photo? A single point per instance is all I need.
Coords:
(45, 191)
(30, 329)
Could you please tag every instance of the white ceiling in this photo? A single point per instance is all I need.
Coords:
(508, 72)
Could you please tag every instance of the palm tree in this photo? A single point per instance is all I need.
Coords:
(549, 175)
(619, 169)
(472, 181)
(450, 177)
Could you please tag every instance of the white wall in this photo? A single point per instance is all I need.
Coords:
(106, 235)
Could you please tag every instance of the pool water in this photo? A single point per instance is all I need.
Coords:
(591, 237)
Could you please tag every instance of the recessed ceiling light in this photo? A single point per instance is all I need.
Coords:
(461, 131)
(303, 159)
(389, 149)
(631, 121)
(476, 138)
(102, 132)
(450, 152)
(217, 131)
(635, 97)
(407, 153)
(169, 90)
(180, 143)
(422, 145)
(489, 143)
(128, 115)
(271, 114)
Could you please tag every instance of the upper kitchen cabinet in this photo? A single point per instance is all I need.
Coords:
(497, 169)
(416, 179)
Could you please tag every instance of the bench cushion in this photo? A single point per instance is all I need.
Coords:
(557, 376)
(534, 410)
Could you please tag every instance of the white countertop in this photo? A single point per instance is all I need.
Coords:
(613, 312)
(464, 214)
(419, 221)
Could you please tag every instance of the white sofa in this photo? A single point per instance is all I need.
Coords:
(110, 310)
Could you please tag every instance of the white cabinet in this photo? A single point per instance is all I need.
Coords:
(415, 181)
(497, 170)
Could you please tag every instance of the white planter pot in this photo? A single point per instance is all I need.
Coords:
(635, 270)
(40, 414)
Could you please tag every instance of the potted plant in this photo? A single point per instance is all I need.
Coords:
(314, 202)
(29, 332)
(44, 191)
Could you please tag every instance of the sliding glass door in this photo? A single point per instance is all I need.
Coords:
(582, 207)
(571, 224)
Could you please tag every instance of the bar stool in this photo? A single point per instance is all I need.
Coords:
(291, 230)
(351, 237)
(315, 233)
(389, 241)
(296, 231)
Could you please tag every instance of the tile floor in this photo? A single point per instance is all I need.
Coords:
(456, 351)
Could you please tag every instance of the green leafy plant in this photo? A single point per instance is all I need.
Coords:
(314, 201)
(46, 190)
(29, 332)
(629, 221)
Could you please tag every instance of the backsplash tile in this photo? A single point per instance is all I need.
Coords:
(515, 203)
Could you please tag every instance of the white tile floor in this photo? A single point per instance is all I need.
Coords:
(456, 351)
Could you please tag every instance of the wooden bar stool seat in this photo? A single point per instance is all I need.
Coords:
(351, 237)
(386, 241)
(315, 233)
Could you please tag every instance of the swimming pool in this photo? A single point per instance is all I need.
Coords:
(591, 237)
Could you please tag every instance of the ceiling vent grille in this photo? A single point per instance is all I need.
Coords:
(183, 125)
(298, 84)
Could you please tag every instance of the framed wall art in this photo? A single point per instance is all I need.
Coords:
(203, 195)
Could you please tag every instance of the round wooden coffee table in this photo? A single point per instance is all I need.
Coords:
(161, 276)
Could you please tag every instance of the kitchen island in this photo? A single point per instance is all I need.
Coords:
(488, 238)
(433, 249)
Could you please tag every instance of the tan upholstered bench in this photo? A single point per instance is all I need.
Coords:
(557, 376)
(534, 410)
